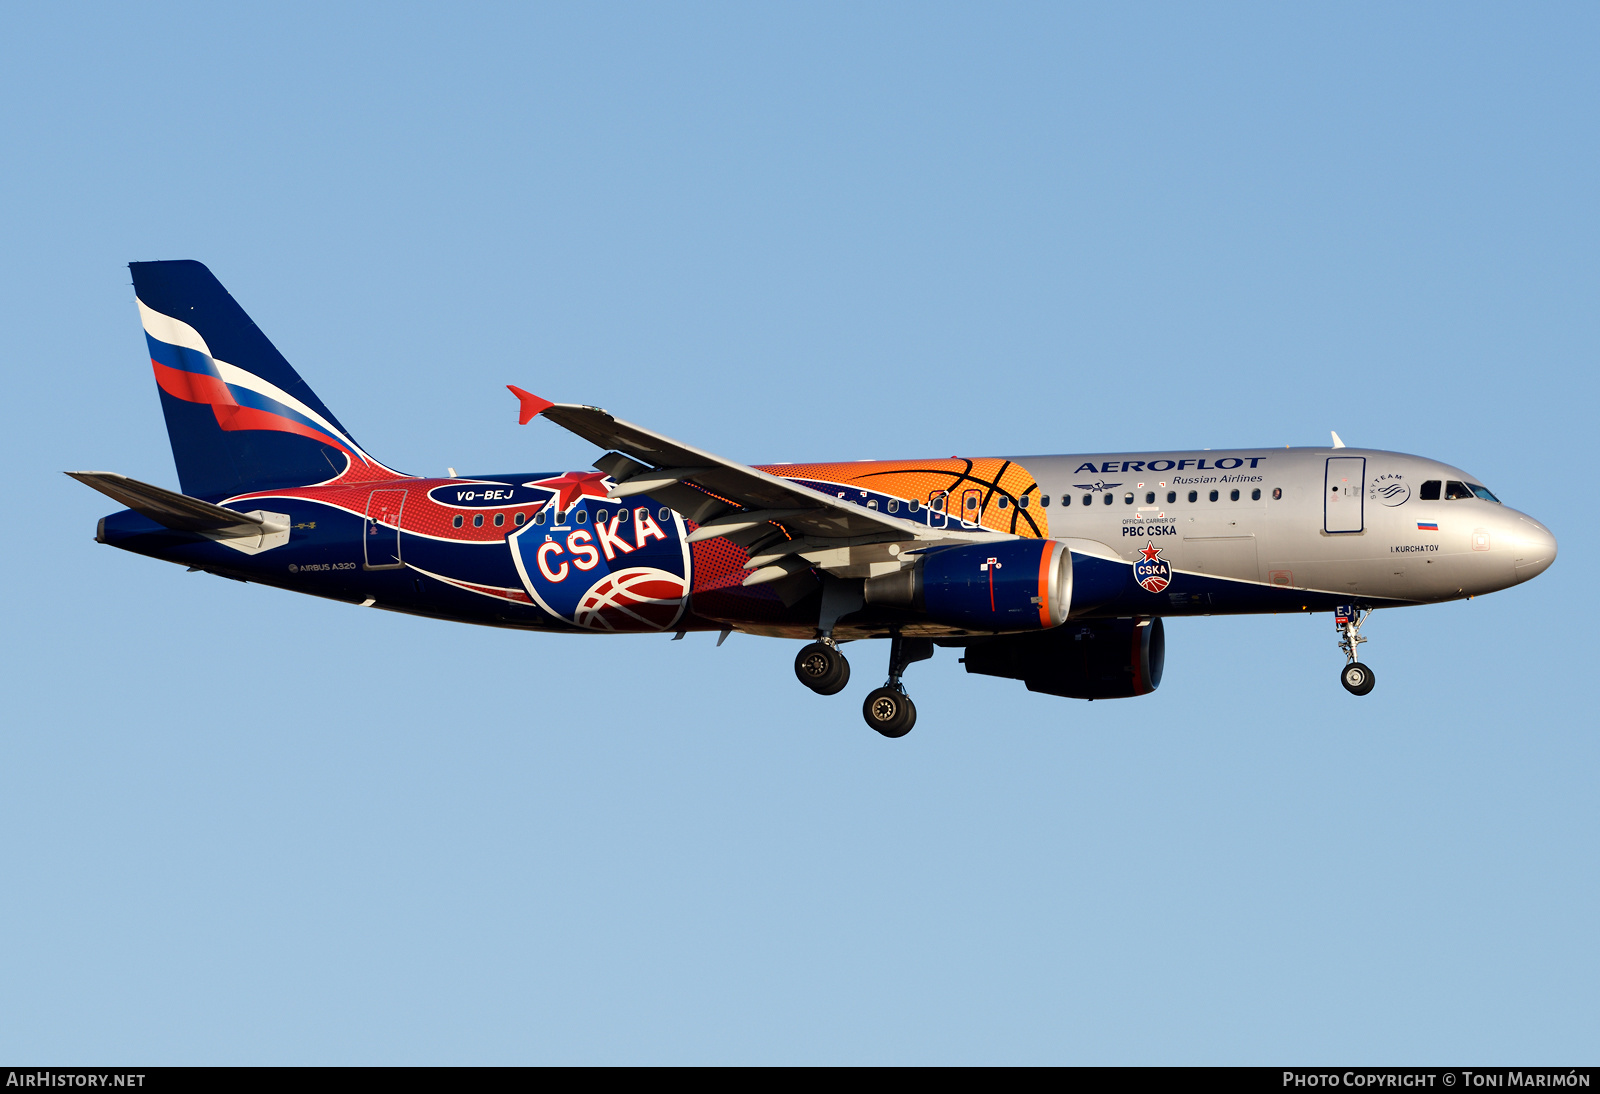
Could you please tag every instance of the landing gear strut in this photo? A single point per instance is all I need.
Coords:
(1356, 677)
(888, 709)
(822, 668)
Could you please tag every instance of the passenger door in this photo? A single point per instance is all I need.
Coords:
(1343, 494)
(380, 540)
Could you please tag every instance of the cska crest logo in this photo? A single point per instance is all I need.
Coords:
(1152, 572)
(602, 568)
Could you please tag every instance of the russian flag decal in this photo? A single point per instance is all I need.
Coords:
(1427, 526)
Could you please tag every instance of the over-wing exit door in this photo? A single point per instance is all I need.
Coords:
(1342, 494)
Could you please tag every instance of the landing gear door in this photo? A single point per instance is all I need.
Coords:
(380, 539)
(1343, 494)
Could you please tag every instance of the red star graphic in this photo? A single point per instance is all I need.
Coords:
(1151, 553)
(572, 486)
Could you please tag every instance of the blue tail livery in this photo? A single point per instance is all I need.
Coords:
(238, 415)
(1053, 570)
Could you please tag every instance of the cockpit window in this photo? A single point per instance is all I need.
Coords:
(1429, 491)
(1482, 492)
(1456, 491)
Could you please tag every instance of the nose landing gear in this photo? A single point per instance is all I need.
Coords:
(1358, 679)
(888, 709)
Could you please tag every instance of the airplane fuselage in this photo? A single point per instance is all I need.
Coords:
(1150, 534)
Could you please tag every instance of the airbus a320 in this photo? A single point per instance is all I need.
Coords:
(1055, 571)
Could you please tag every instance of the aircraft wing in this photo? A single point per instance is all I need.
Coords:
(778, 521)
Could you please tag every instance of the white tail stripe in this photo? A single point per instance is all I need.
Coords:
(174, 332)
(178, 333)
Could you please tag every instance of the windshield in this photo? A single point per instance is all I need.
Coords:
(1482, 492)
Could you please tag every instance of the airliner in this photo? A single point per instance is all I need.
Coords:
(1055, 571)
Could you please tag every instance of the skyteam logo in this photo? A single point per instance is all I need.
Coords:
(606, 567)
(1388, 489)
(1152, 571)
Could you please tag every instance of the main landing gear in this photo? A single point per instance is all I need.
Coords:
(889, 710)
(1356, 677)
(822, 668)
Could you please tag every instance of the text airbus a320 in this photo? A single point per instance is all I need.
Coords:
(1052, 570)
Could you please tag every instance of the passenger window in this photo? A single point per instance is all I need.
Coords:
(1127, 499)
(894, 506)
(1066, 499)
(1456, 491)
(1429, 491)
(519, 518)
(1044, 500)
(1255, 495)
(1005, 502)
(499, 520)
(456, 521)
(1233, 495)
(1150, 498)
(1023, 501)
(477, 520)
(665, 514)
(582, 517)
(971, 502)
(872, 503)
(538, 518)
(1277, 493)
(1172, 496)
(1108, 498)
(622, 516)
(1213, 495)
(913, 505)
(1194, 496)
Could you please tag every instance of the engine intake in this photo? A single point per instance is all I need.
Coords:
(1110, 659)
(1013, 585)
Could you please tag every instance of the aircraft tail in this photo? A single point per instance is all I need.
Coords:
(238, 415)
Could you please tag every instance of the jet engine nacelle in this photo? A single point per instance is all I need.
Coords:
(1105, 659)
(1013, 585)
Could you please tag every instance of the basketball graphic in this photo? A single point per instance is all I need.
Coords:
(637, 599)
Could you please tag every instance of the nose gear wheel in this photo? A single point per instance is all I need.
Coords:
(1358, 679)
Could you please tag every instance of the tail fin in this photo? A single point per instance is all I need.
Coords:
(238, 415)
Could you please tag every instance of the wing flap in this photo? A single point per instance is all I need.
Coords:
(705, 487)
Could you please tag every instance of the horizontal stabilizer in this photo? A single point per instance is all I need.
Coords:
(171, 509)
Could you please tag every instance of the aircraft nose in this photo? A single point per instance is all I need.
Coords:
(1535, 548)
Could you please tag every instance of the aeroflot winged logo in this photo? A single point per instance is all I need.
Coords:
(1152, 571)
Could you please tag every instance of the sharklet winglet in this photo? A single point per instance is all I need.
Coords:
(532, 405)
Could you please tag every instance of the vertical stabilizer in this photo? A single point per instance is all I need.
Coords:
(238, 415)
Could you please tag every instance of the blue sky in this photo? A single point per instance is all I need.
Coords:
(243, 826)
